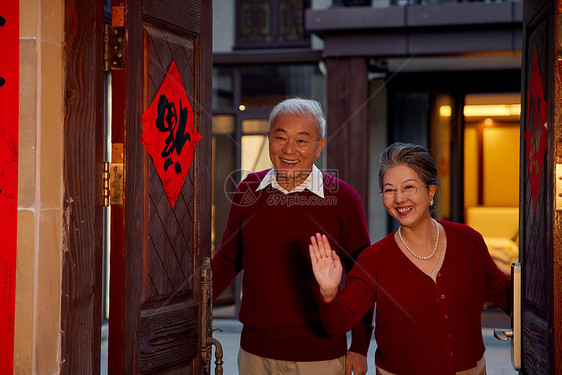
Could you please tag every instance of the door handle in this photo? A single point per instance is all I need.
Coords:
(503, 335)
(207, 339)
(515, 333)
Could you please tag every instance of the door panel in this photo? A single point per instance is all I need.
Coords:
(170, 252)
(168, 335)
(157, 324)
(537, 215)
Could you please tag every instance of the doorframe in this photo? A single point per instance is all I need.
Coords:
(81, 286)
(557, 213)
(557, 217)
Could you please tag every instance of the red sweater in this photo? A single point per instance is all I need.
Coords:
(422, 326)
(267, 235)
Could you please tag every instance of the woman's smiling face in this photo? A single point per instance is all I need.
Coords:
(408, 210)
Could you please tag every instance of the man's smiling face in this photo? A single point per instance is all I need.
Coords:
(294, 145)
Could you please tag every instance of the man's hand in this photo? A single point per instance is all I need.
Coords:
(326, 266)
(355, 364)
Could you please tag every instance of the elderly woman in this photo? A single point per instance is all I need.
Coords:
(429, 279)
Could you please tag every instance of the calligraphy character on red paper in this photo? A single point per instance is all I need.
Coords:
(167, 121)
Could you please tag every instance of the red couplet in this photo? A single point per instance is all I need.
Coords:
(9, 109)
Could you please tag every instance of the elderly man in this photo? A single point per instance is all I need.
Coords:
(272, 216)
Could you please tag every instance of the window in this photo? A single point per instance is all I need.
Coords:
(264, 86)
(223, 86)
(271, 24)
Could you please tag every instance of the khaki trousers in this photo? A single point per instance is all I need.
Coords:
(482, 373)
(250, 364)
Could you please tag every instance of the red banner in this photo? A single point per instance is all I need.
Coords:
(536, 132)
(168, 133)
(9, 108)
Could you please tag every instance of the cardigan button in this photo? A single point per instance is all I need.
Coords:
(438, 274)
(451, 354)
(446, 317)
(442, 296)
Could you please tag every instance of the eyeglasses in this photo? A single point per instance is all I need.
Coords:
(407, 191)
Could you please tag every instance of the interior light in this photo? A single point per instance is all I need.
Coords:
(492, 110)
(242, 107)
(445, 111)
(488, 121)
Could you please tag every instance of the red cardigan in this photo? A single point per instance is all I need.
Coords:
(267, 235)
(422, 326)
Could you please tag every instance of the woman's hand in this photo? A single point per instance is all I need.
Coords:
(326, 266)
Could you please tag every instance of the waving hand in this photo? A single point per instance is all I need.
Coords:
(326, 266)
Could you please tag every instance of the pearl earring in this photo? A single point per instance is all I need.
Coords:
(432, 202)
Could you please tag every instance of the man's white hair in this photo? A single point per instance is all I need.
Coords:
(303, 107)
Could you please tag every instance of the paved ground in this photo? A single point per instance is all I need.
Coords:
(498, 353)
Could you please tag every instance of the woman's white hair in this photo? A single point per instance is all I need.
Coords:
(303, 107)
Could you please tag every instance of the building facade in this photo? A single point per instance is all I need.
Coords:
(385, 71)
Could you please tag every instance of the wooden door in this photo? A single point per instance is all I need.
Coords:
(540, 219)
(158, 246)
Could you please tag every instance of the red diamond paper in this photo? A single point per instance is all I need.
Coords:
(536, 134)
(168, 133)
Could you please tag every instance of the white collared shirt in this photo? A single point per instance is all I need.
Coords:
(314, 182)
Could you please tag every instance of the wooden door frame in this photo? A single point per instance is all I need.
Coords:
(83, 166)
(557, 216)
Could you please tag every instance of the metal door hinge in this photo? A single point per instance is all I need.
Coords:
(113, 178)
(106, 184)
(113, 47)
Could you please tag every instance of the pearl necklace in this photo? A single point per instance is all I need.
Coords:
(416, 255)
